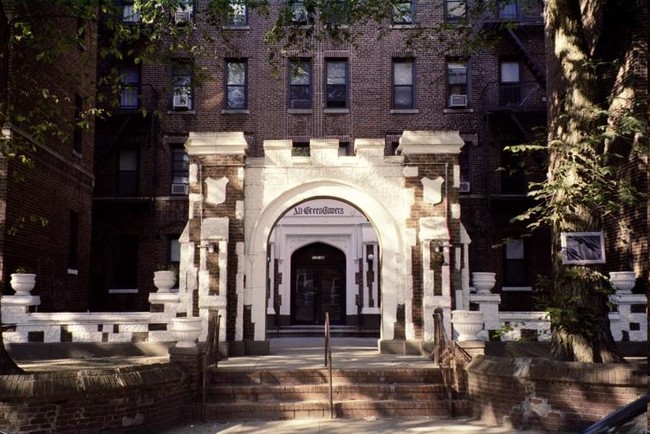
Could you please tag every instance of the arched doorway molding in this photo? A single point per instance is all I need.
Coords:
(390, 237)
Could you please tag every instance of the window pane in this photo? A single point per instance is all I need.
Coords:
(508, 9)
(336, 72)
(236, 73)
(402, 13)
(515, 249)
(403, 97)
(236, 97)
(403, 72)
(128, 160)
(455, 9)
(509, 72)
(457, 73)
(300, 73)
(238, 14)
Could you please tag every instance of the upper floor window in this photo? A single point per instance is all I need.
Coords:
(336, 12)
(73, 241)
(455, 10)
(182, 82)
(300, 84)
(457, 84)
(509, 83)
(184, 12)
(236, 84)
(238, 15)
(300, 14)
(508, 9)
(403, 84)
(337, 83)
(403, 12)
(180, 170)
(129, 13)
(76, 134)
(130, 86)
(127, 178)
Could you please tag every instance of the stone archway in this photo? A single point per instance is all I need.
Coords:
(236, 201)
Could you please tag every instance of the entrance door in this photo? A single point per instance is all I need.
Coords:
(317, 285)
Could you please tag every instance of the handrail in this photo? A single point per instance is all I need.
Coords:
(328, 362)
(210, 354)
(442, 350)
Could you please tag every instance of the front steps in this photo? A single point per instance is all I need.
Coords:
(239, 394)
(318, 331)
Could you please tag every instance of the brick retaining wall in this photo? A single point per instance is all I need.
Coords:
(541, 393)
(138, 399)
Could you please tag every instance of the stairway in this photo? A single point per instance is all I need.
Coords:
(245, 394)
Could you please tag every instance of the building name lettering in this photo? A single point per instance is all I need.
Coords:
(324, 210)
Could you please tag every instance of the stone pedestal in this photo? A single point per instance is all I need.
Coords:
(489, 305)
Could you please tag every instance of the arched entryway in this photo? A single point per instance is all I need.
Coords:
(318, 285)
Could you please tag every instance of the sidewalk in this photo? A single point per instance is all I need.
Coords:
(348, 426)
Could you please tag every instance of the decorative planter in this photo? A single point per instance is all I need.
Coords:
(483, 282)
(23, 283)
(467, 324)
(622, 281)
(164, 280)
(186, 331)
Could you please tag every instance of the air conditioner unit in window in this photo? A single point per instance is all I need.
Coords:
(181, 102)
(179, 188)
(458, 100)
(464, 187)
(182, 16)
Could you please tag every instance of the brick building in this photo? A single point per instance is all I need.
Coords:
(47, 203)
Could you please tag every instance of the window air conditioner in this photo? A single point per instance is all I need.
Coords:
(179, 188)
(181, 101)
(458, 100)
(464, 187)
(182, 16)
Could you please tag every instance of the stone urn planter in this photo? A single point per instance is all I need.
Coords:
(467, 324)
(483, 282)
(622, 281)
(23, 283)
(186, 331)
(164, 280)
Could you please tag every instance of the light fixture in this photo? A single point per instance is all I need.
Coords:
(371, 257)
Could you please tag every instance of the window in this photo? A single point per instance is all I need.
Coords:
(513, 174)
(184, 12)
(129, 13)
(515, 270)
(127, 178)
(73, 241)
(76, 133)
(236, 83)
(130, 86)
(182, 82)
(238, 16)
(300, 14)
(300, 84)
(403, 12)
(509, 87)
(125, 262)
(180, 171)
(507, 9)
(457, 84)
(403, 76)
(455, 10)
(336, 12)
(300, 149)
(175, 255)
(337, 83)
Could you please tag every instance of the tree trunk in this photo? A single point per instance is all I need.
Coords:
(588, 94)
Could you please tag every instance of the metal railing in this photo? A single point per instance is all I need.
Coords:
(210, 360)
(444, 354)
(328, 362)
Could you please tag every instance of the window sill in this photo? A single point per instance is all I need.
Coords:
(402, 26)
(516, 288)
(235, 112)
(181, 112)
(340, 111)
(300, 111)
(404, 111)
(246, 27)
(457, 111)
(123, 291)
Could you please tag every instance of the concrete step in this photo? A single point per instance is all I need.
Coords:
(234, 376)
(345, 392)
(318, 331)
(321, 410)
